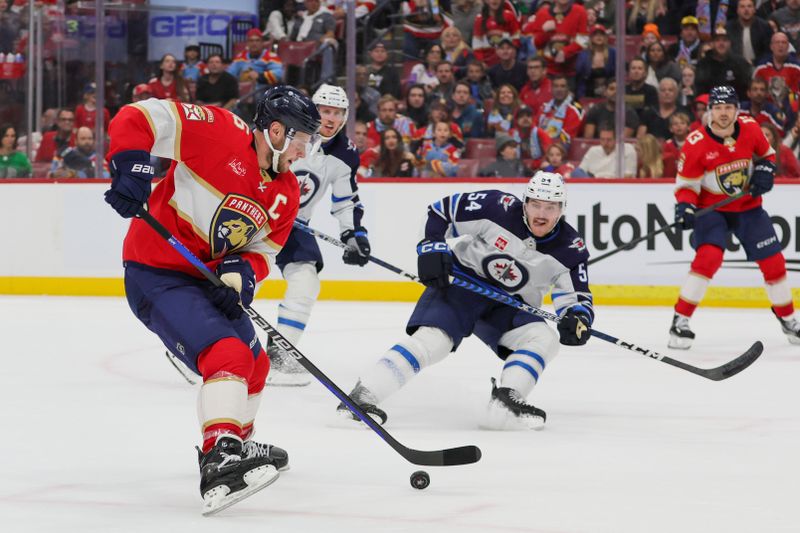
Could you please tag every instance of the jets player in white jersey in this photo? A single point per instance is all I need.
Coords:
(334, 165)
(525, 248)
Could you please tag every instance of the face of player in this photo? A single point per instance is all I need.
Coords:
(723, 115)
(441, 133)
(332, 119)
(461, 95)
(387, 112)
(9, 139)
(361, 136)
(390, 140)
(298, 147)
(542, 216)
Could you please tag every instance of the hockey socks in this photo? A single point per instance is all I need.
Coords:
(778, 290)
(302, 289)
(706, 263)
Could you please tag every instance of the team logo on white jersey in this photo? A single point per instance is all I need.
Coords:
(506, 201)
(578, 244)
(309, 185)
(504, 269)
(235, 223)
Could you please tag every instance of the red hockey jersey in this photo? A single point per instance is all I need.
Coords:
(215, 198)
(711, 169)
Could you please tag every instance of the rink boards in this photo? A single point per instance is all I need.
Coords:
(61, 238)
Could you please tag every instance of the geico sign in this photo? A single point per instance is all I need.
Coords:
(627, 227)
(193, 25)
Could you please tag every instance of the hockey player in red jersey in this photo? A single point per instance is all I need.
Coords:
(727, 156)
(231, 199)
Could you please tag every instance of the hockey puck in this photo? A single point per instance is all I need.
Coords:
(420, 480)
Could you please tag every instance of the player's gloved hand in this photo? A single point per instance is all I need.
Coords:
(684, 215)
(434, 263)
(358, 249)
(130, 185)
(573, 328)
(239, 286)
(762, 178)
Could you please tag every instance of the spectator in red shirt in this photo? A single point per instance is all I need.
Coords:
(168, 85)
(54, 142)
(537, 90)
(495, 23)
(560, 31)
(788, 166)
(86, 113)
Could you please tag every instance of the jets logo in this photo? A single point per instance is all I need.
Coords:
(235, 223)
(507, 201)
(578, 244)
(503, 269)
(309, 185)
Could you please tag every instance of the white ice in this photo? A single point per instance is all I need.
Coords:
(98, 432)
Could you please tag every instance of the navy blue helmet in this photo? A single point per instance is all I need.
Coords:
(722, 94)
(290, 107)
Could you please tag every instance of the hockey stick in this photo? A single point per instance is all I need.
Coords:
(630, 245)
(719, 373)
(452, 456)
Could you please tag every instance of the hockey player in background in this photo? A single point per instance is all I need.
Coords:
(334, 165)
(231, 198)
(524, 247)
(727, 156)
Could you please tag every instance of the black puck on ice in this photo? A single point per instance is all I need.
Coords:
(420, 480)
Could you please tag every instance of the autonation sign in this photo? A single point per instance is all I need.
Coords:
(169, 32)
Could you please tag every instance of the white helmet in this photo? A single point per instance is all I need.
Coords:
(333, 96)
(548, 186)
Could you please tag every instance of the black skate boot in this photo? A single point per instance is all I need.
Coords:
(226, 477)
(284, 370)
(366, 401)
(508, 410)
(277, 456)
(680, 335)
(790, 327)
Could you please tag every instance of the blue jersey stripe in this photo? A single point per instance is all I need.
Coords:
(534, 355)
(529, 368)
(292, 323)
(335, 198)
(408, 356)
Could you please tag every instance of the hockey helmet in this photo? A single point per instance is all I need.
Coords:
(333, 96)
(723, 94)
(547, 186)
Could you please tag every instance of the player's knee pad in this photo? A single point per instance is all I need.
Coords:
(228, 356)
(427, 346)
(302, 286)
(707, 260)
(534, 344)
(258, 377)
(773, 268)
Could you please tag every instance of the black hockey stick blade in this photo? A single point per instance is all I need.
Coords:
(727, 370)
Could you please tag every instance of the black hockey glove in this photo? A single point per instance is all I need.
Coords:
(684, 215)
(358, 249)
(130, 185)
(573, 328)
(239, 286)
(762, 178)
(434, 263)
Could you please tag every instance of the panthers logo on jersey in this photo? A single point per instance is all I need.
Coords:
(504, 269)
(733, 176)
(235, 223)
(309, 185)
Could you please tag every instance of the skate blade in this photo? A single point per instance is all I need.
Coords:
(281, 379)
(679, 343)
(220, 498)
(498, 418)
(793, 339)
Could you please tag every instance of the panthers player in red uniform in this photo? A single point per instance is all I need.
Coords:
(231, 199)
(729, 155)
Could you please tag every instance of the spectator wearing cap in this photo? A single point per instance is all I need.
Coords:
(687, 50)
(536, 90)
(561, 117)
(601, 161)
(721, 67)
(531, 139)
(168, 84)
(141, 92)
(508, 163)
(456, 51)
(780, 69)
(700, 116)
(217, 87)
(764, 111)
(650, 35)
(508, 69)
(496, 22)
(788, 20)
(54, 142)
(439, 154)
(369, 95)
(192, 67)
(660, 65)
(644, 12)
(438, 111)
(256, 63)
(447, 82)
(480, 86)
(465, 114)
(561, 32)
(595, 65)
(750, 35)
(383, 76)
(504, 108)
(86, 113)
(281, 22)
(604, 112)
(319, 26)
(638, 94)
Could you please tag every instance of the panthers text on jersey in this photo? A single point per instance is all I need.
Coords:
(215, 198)
(711, 169)
(498, 247)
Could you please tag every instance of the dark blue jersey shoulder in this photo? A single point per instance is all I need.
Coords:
(501, 208)
(565, 244)
(341, 148)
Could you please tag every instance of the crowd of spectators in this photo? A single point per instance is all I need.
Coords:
(482, 87)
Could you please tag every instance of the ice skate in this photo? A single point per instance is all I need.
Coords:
(790, 327)
(284, 370)
(227, 477)
(507, 410)
(366, 401)
(680, 335)
(252, 449)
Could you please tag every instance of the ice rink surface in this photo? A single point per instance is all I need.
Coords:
(98, 432)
